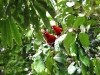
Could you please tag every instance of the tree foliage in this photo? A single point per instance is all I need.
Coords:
(24, 51)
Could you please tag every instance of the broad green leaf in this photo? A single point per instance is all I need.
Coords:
(49, 62)
(1, 8)
(77, 5)
(58, 45)
(35, 22)
(90, 12)
(9, 34)
(18, 20)
(1, 3)
(84, 39)
(28, 47)
(1, 22)
(97, 10)
(61, 3)
(62, 69)
(91, 68)
(70, 20)
(26, 15)
(97, 1)
(34, 19)
(79, 21)
(69, 39)
(69, 9)
(37, 42)
(97, 66)
(92, 22)
(84, 58)
(73, 49)
(42, 13)
(48, 8)
(43, 73)
(38, 64)
(84, 69)
(3, 29)
(9, 39)
(15, 32)
(29, 33)
(71, 68)
(97, 30)
(39, 36)
(61, 58)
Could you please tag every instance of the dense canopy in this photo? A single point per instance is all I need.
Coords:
(74, 25)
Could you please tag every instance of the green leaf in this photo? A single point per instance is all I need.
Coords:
(34, 19)
(9, 34)
(73, 49)
(97, 30)
(79, 21)
(58, 45)
(90, 12)
(15, 32)
(97, 66)
(1, 3)
(84, 39)
(28, 47)
(71, 68)
(69, 9)
(26, 15)
(35, 22)
(29, 33)
(92, 22)
(18, 21)
(84, 69)
(37, 42)
(61, 58)
(39, 36)
(42, 13)
(38, 64)
(61, 3)
(3, 29)
(69, 39)
(70, 20)
(1, 8)
(49, 62)
(91, 68)
(97, 1)
(84, 58)
(62, 69)
(77, 5)
(48, 8)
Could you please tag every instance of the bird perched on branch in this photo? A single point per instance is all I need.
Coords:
(50, 39)
(57, 30)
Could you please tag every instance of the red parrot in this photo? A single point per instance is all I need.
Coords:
(57, 30)
(49, 37)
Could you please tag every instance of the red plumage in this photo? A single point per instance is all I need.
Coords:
(57, 30)
(49, 37)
